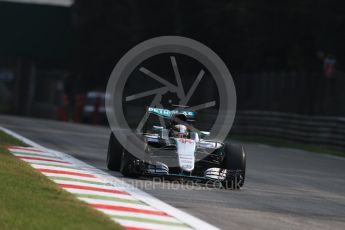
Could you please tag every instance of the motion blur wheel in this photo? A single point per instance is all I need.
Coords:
(114, 156)
(235, 164)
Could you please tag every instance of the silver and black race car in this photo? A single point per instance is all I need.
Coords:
(181, 152)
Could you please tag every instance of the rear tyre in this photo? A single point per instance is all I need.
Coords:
(114, 156)
(235, 164)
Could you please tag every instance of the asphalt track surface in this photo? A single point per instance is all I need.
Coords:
(284, 189)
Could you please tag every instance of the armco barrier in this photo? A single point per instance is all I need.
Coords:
(320, 130)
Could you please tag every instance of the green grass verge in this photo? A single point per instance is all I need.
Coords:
(29, 200)
(288, 144)
(9, 140)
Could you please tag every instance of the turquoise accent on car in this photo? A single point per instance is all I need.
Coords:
(166, 113)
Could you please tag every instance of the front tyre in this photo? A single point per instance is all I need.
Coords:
(235, 164)
(114, 156)
(128, 167)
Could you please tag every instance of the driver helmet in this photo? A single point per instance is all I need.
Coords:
(180, 131)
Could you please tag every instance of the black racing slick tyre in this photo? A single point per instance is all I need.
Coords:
(130, 164)
(235, 164)
(128, 167)
(114, 156)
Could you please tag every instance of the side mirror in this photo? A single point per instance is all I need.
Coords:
(204, 134)
(162, 132)
(157, 128)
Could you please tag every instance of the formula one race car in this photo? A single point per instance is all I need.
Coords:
(178, 151)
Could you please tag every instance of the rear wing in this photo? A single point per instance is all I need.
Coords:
(168, 114)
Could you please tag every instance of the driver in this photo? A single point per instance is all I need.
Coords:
(176, 128)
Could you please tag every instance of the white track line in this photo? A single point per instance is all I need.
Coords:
(21, 138)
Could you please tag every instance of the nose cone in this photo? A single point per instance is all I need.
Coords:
(186, 151)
